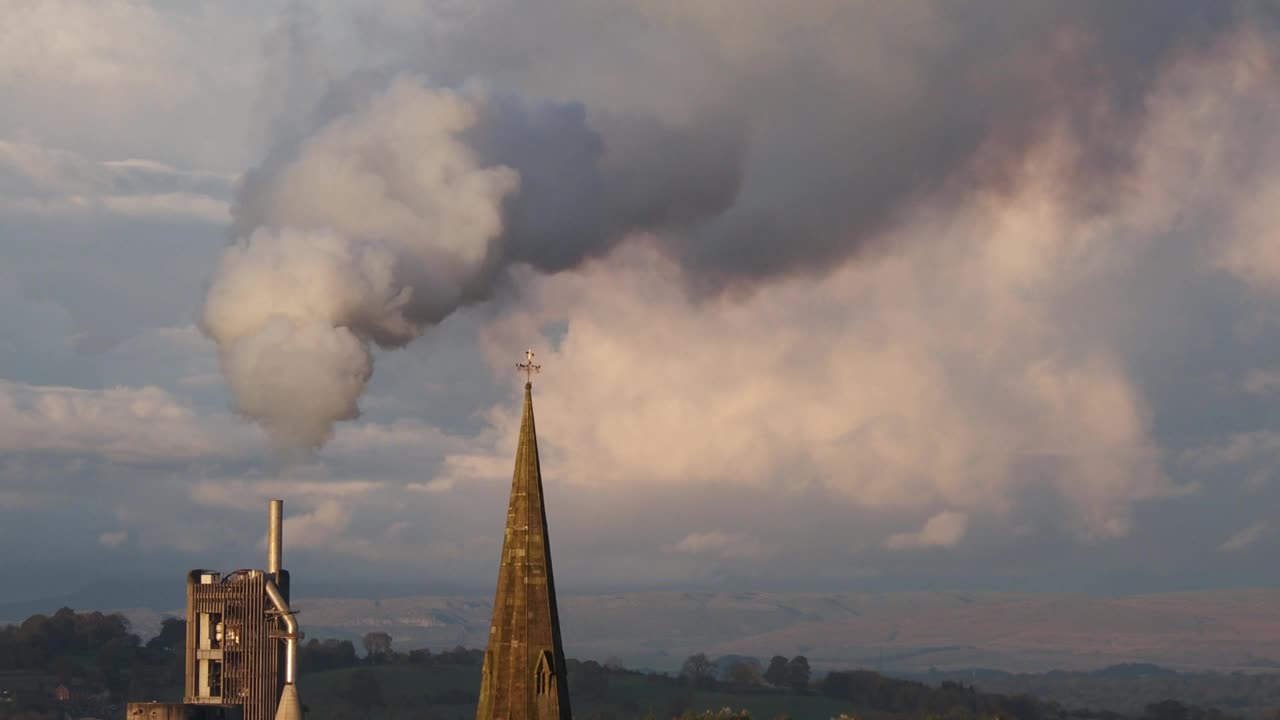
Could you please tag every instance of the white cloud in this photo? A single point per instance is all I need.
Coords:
(930, 378)
(1263, 382)
(986, 354)
(11, 499)
(403, 435)
(1246, 537)
(123, 423)
(318, 528)
(1208, 123)
(1239, 448)
(42, 181)
(251, 493)
(945, 529)
(431, 486)
(1253, 251)
(327, 528)
(192, 205)
(720, 544)
(113, 539)
(122, 76)
(325, 512)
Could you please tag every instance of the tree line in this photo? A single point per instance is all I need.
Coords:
(330, 654)
(94, 657)
(782, 673)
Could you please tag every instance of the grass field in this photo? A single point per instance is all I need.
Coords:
(412, 691)
(408, 691)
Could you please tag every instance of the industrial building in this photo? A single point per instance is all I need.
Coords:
(241, 654)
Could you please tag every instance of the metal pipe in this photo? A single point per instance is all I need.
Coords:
(275, 521)
(291, 630)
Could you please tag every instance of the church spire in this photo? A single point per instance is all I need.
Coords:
(524, 669)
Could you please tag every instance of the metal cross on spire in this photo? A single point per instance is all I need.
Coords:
(527, 367)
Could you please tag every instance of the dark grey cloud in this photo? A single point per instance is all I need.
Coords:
(848, 112)
(586, 179)
(587, 182)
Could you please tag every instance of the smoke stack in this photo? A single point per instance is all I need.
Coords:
(289, 708)
(275, 521)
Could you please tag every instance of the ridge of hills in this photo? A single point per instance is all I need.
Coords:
(902, 632)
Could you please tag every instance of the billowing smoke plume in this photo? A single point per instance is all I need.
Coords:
(408, 203)
(790, 137)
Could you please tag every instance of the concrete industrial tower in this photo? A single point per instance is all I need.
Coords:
(242, 638)
(242, 644)
(524, 670)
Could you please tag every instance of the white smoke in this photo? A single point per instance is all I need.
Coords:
(396, 212)
(371, 232)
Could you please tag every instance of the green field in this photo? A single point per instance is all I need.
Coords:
(410, 691)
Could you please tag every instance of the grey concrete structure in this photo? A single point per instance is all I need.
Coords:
(242, 637)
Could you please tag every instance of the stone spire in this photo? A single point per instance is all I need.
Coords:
(524, 669)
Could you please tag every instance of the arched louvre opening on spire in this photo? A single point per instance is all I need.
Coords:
(544, 673)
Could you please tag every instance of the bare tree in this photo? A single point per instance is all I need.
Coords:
(377, 645)
(699, 670)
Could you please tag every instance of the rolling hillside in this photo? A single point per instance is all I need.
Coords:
(1221, 630)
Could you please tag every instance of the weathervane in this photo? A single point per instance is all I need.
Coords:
(527, 367)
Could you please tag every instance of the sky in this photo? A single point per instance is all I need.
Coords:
(827, 295)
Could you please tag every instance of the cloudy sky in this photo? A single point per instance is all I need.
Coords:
(828, 295)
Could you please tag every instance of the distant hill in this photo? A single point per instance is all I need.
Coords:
(899, 632)
(129, 592)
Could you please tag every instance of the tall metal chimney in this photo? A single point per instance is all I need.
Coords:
(275, 521)
(289, 707)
